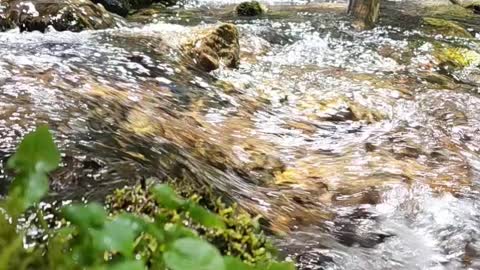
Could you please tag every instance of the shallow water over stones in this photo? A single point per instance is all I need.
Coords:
(359, 149)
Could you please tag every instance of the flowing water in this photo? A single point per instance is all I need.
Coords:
(355, 147)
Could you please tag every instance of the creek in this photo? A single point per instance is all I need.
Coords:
(358, 150)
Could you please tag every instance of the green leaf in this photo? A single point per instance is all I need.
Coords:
(37, 187)
(205, 217)
(193, 254)
(27, 189)
(118, 235)
(137, 224)
(37, 152)
(128, 265)
(155, 231)
(91, 215)
(279, 266)
(175, 231)
(35, 157)
(166, 197)
(232, 263)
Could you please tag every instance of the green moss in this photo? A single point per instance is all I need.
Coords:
(252, 8)
(445, 27)
(448, 11)
(455, 57)
(241, 238)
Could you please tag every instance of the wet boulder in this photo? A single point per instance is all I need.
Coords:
(475, 8)
(120, 7)
(213, 47)
(70, 15)
(5, 23)
(251, 8)
(123, 7)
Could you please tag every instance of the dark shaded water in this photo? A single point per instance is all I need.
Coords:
(355, 145)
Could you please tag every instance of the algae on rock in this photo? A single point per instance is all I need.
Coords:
(455, 57)
(445, 28)
(213, 47)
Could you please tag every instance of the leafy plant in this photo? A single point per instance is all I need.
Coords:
(241, 236)
(36, 156)
(91, 238)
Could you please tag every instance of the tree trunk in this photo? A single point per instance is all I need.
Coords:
(365, 13)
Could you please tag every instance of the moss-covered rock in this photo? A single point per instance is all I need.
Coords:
(242, 236)
(445, 27)
(447, 11)
(456, 58)
(215, 46)
(251, 8)
(73, 15)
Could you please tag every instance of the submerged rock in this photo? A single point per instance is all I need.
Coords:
(252, 8)
(341, 109)
(213, 47)
(120, 7)
(445, 27)
(71, 15)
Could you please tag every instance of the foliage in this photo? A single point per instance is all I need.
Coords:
(93, 239)
(240, 236)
